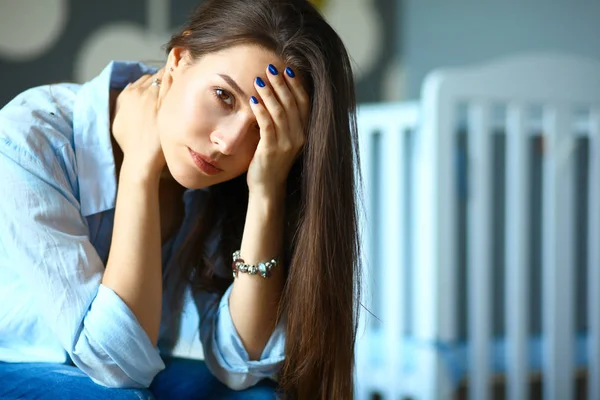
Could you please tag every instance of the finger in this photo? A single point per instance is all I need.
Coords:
(295, 86)
(295, 120)
(141, 81)
(273, 107)
(163, 74)
(282, 92)
(155, 80)
(265, 123)
(149, 91)
(165, 85)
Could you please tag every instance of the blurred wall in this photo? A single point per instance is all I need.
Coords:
(438, 33)
(394, 43)
(49, 41)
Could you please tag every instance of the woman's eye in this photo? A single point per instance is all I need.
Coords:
(224, 96)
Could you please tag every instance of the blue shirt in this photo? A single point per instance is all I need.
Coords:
(57, 201)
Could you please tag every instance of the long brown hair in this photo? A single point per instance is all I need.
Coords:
(321, 246)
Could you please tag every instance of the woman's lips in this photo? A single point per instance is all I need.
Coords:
(203, 163)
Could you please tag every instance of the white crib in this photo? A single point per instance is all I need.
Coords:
(495, 170)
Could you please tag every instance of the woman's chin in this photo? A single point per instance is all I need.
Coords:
(189, 179)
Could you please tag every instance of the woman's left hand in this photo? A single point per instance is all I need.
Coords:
(281, 110)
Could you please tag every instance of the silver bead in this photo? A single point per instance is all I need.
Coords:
(263, 269)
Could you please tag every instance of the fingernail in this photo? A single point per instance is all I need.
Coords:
(272, 69)
(260, 82)
(290, 72)
(254, 99)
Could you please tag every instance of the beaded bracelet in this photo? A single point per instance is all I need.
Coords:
(263, 269)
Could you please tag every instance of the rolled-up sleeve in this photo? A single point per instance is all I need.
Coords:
(113, 348)
(46, 240)
(224, 352)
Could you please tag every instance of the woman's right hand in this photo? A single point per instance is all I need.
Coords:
(135, 128)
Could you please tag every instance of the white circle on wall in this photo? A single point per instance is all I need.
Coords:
(119, 41)
(360, 27)
(29, 28)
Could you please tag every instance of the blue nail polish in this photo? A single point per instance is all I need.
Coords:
(290, 72)
(254, 99)
(272, 69)
(260, 82)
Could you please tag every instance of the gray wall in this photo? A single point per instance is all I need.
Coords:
(461, 32)
(412, 37)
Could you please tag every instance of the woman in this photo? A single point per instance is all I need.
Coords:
(121, 194)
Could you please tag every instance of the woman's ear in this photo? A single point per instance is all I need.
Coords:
(178, 58)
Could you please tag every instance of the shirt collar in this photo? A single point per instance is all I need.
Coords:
(92, 138)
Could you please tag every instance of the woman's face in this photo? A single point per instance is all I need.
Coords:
(206, 113)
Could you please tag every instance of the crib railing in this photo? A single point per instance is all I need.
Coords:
(385, 134)
(447, 213)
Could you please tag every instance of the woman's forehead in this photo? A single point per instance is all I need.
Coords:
(240, 58)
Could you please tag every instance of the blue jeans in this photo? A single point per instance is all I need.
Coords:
(181, 379)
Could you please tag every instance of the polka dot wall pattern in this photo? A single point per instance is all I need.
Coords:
(50, 41)
(47, 19)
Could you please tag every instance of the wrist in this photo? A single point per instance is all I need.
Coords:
(132, 172)
(266, 213)
(268, 195)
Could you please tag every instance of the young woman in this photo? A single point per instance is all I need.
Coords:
(229, 174)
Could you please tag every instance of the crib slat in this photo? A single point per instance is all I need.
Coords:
(434, 251)
(381, 136)
(479, 250)
(367, 130)
(393, 250)
(367, 337)
(558, 260)
(594, 258)
(517, 252)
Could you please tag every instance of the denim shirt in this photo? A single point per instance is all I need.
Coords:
(57, 201)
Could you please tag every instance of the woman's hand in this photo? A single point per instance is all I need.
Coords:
(135, 128)
(281, 112)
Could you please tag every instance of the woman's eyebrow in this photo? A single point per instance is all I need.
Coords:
(233, 84)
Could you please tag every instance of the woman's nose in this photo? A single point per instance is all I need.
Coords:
(229, 138)
(228, 141)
